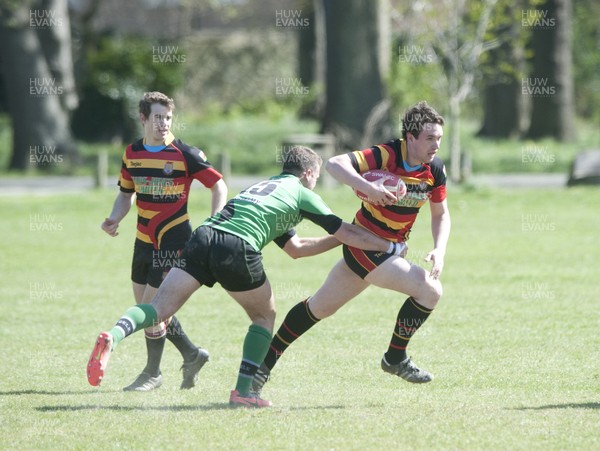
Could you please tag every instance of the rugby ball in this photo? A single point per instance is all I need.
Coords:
(390, 181)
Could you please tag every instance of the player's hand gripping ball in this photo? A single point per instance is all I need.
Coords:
(391, 182)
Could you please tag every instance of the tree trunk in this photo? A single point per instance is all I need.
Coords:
(551, 83)
(41, 133)
(354, 86)
(455, 151)
(504, 107)
(307, 45)
(311, 57)
(56, 44)
(503, 110)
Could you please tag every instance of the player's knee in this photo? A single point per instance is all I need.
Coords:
(430, 292)
(320, 309)
(435, 289)
(263, 318)
(262, 314)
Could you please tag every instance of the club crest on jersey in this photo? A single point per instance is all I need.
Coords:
(168, 168)
(202, 154)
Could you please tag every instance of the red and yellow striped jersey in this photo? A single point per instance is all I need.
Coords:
(426, 182)
(161, 181)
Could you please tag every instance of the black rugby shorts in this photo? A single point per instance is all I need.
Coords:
(211, 256)
(150, 266)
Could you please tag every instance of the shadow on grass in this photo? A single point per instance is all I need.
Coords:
(213, 406)
(582, 405)
(49, 392)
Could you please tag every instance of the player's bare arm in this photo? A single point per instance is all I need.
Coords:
(360, 238)
(298, 247)
(219, 197)
(340, 168)
(121, 207)
(440, 229)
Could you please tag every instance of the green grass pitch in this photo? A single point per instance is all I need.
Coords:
(513, 344)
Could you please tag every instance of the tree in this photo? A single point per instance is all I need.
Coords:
(586, 59)
(551, 81)
(456, 33)
(311, 56)
(354, 69)
(40, 87)
(505, 109)
(308, 58)
(459, 47)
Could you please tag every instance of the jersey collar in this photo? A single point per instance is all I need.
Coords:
(404, 153)
(168, 140)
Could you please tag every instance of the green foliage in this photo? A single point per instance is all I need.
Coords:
(501, 64)
(442, 52)
(5, 140)
(413, 77)
(122, 67)
(507, 59)
(497, 343)
(238, 71)
(586, 58)
(8, 12)
(118, 70)
(252, 143)
(522, 156)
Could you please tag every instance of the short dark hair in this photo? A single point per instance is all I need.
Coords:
(416, 118)
(298, 159)
(154, 97)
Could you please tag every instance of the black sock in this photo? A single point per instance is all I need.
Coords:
(411, 316)
(177, 336)
(298, 320)
(154, 347)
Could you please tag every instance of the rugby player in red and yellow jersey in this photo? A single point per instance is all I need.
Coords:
(413, 158)
(158, 171)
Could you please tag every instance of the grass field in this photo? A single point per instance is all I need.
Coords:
(513, 344)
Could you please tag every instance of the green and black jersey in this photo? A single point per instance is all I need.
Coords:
(270, 210)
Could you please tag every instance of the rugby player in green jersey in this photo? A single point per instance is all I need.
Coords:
(226, 248)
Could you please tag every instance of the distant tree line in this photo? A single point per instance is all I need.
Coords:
(530, 66)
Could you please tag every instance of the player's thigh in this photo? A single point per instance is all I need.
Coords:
(173, 292)
(400, 275)
(138, 292)
(149, 294)
(259, 304)
(143, 293)
(341, 285)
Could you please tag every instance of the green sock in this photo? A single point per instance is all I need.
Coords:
(256, 344)
(134, 319)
